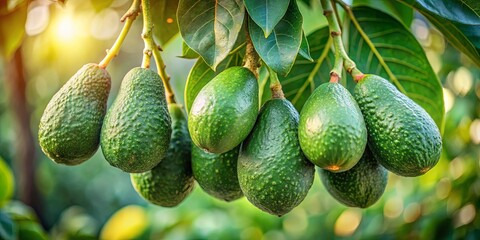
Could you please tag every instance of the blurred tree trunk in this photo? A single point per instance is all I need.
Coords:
(24, 142)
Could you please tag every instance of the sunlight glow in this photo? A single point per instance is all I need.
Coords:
(66, 29)
(348, 222)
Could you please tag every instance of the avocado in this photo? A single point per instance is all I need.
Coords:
(331, 130)
(171, 181)
(361, 186)
(217, 173)
(69, 131)
(273, 173)
(224, 111)
(401, 134)
(137, 128)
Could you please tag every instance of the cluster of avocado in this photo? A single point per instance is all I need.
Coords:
(233, 149)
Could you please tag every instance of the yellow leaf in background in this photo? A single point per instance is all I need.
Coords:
(127, 223)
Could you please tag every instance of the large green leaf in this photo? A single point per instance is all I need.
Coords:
(398, 10)
(281, 47)
(394, 54)
(211, 27)
(266, 13)
(12, 27)
(201, 74)
(165, 20)
(397, 56)
(305, 75)
(459, 21)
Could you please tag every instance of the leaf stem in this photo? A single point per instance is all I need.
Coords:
(151, 48)
(251, 60)
(341, 55)
(275, 85)
(128, 18)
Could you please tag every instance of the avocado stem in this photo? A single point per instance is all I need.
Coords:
(341, 55)
(128, 18)
(151, 48)
(275, 85)
(251, 60)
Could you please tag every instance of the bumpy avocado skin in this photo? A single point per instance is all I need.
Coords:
(331, 130)
(137, 128)
(217, 173)
(361, 186)
(69, 131)
(224, 111)
(401, 134)
(273, 173)
(171, 181)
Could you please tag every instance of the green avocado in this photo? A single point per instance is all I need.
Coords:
(217, 173)
(273, 173)
(361, 186)
(224, 111)
(401, 134)
(331, 130)
(69, 131)
(171, 181)
(137, 128)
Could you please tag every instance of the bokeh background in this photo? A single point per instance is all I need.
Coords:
(94, 200)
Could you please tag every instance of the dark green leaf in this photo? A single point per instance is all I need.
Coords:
(307, 2)
(201, 74)
(211, 27)
(266, 13)
(305, 76)
(305, 48)
(12, 29)
(165, 20)
(6, 227)
(397, 56)
(187, 52)
(397, 10)
(279, 50)
(459, 21)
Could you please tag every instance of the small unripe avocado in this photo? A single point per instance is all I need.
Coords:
(401, 134)
(224, 111)
(69, 131)
(217, 173)
(332, 131)
(171, 181)
(361, 186)
(137, 128)
(273, 173)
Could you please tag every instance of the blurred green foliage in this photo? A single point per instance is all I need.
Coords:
(78, 201)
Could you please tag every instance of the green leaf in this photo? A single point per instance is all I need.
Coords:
(6, 182)
(397, 10)
(211, 27)
(266, 13)
(305, 76)
(397, 56)
(280, 48)
(201, 74)
(188, 53)
(305, 49)
(165, 20)
(6, 227)
(12, 29)
(459, 21)
(264, 85)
